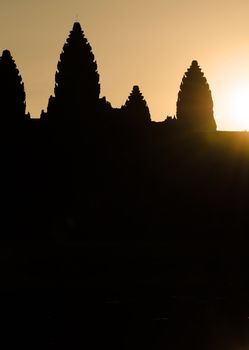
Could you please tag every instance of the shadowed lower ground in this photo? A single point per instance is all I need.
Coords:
(141, 245)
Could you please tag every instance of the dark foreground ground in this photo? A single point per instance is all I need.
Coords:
(121, 295)
(73, 319)
(124, 241)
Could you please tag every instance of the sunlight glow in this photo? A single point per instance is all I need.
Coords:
(234, 105)
(239, 104)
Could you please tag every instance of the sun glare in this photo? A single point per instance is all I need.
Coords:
(235, 106)
(239, 103)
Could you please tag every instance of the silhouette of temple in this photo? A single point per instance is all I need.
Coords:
(89, 157)
(13, 99)
(93, 161)
(77, 94)
(195, 104)
(136, 110)
(77, 90)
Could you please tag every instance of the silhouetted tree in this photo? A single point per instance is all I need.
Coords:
(135, 108)
(77, 85)
(195, 104)
(12, 94)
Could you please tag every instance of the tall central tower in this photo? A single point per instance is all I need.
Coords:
(77, 88)
(195, 104)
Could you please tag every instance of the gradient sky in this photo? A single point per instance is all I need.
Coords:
(149, 43)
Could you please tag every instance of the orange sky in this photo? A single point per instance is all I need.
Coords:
(149, 43)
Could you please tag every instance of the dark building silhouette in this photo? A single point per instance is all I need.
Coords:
(195, 104)
(77, 91)
(135, 108)
(12, 93)
(77, 87)
(137, 235)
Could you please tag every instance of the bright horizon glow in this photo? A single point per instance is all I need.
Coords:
(238, 104)
(234, 104)
(149, 43)
(230, 91)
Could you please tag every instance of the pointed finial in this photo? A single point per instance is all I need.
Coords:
(6, 53)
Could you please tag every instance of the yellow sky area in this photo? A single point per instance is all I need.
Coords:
(149, 43)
